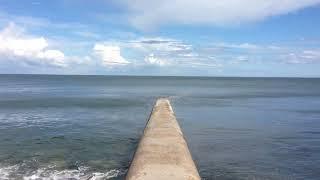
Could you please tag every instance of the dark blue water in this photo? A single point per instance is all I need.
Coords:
(87, 127)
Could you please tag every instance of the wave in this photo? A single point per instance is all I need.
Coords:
(49, 173)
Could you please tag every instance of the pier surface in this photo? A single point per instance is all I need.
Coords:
(162, 152)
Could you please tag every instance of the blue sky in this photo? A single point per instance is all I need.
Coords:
(167, 37)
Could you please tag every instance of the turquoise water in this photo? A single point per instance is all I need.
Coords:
(87, 127)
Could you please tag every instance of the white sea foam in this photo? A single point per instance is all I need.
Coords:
(6, 171)
(82, 173)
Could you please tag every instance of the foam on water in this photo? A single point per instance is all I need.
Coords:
(49, 173)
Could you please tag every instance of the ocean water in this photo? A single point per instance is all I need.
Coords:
(87, 127)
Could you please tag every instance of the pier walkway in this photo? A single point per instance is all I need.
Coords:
(162, 152)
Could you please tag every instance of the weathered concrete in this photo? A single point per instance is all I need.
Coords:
(162, 152)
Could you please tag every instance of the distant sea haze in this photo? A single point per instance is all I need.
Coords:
(88, 127)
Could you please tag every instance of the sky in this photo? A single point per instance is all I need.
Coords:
(255, 38)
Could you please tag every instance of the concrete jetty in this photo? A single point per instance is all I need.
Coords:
(162, 152)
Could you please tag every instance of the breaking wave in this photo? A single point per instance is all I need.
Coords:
(49, 173)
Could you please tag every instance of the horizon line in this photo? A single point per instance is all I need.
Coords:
(190, 76)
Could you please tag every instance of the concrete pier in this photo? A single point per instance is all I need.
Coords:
(162, 152)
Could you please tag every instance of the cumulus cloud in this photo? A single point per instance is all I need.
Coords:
(159, 51)
(152, 60)
(16, 45)
(164, 52)
(148, 14)
(162, 48)
(109, 55)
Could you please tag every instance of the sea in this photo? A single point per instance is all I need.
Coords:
(88, 127)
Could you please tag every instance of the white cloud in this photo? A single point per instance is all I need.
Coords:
(162, 52)
(16, 45)
(246, 46)
(160, 44)
(148, 14)
(151, 59)
(311, 54)
(87, 34)
(189, 55)
(304, 57)
(57, 57)
(109, 55)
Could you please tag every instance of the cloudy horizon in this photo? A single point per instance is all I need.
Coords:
(180, 37)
